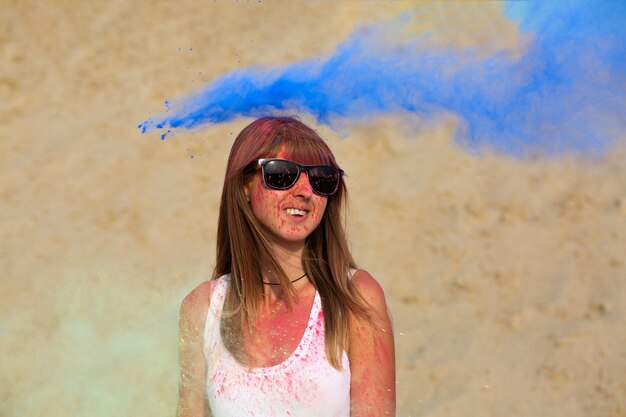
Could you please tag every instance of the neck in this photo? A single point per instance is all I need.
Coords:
(292, 281)
(289, 257)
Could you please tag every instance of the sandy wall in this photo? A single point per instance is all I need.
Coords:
(505, 277)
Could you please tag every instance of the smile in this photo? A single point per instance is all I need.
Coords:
(295, 211)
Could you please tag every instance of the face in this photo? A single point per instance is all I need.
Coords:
(291, 215)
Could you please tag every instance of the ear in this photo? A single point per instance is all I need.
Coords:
(246, 190)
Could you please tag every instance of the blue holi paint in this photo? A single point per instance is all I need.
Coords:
(566, 93)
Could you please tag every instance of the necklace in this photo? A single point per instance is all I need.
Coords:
(276, 283)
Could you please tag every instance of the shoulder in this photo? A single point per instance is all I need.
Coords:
(371, 353)
(368, 288)
(197, 296)
(372, 293)
(194, 306)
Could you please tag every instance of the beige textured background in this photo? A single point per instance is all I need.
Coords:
(506, 279)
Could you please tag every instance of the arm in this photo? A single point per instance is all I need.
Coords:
(192, 399)
(372, 355)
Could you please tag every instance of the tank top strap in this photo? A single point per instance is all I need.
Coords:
(214, 313)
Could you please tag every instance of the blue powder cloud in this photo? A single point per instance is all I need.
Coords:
(565, 93)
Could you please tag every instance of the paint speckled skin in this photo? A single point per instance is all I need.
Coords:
(304, 384)
(269, 207)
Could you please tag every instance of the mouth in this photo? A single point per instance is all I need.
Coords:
(296, 212)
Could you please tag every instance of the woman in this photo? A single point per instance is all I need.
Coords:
(287, 326)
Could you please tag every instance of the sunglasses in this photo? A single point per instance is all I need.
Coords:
(281, 174)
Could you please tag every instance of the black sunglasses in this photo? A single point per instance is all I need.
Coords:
(281, 174)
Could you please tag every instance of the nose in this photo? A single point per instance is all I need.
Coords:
(302, 187)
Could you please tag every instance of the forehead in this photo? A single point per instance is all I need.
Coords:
(282, 153)
(301, 152)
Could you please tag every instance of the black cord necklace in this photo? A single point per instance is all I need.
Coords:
(277, 283)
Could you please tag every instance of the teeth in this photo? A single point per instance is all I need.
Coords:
(295, 212)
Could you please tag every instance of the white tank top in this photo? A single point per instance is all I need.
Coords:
(305, 384)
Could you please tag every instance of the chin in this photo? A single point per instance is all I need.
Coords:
(294, 237)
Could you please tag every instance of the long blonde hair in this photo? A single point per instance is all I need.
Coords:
(242, 241)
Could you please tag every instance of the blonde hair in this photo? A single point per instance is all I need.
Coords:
(242, 241)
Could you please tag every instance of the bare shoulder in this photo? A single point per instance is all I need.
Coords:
(194, 307)
(372, 354)
(193, 370)
(369, 289)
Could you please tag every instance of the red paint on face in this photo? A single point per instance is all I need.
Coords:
(269, 207)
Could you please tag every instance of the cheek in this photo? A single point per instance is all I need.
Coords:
(322, 206)
(256, 197)
(264, 203)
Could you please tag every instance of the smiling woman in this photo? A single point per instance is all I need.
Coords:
(287, 319)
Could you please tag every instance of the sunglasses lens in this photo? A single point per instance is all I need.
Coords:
(280, 174)
(324, 179)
